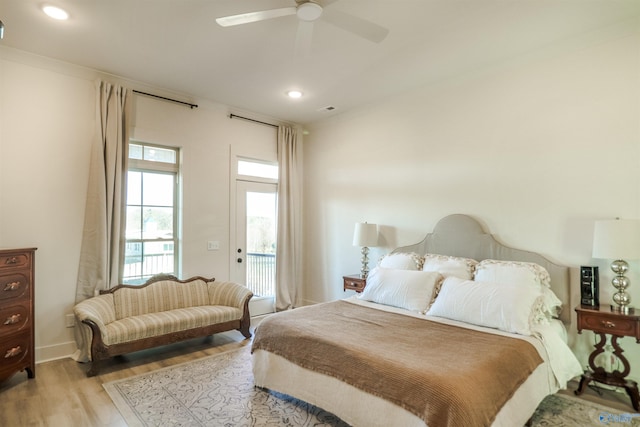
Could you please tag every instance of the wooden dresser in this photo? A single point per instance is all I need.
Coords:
(17, 349)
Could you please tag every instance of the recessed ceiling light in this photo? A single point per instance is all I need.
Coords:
(55, 12)
(294, 94)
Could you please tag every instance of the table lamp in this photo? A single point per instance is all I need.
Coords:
(618, 239)
(365, 235)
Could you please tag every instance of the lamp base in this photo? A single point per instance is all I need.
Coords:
(621, 298)
(364, 271)
(622, 309)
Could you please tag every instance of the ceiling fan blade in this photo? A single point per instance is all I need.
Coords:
(245, 18)
(304, 35)
(353, 24)
(323, 3)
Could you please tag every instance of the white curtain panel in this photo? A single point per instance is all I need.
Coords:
(104, 221)
(289, 249)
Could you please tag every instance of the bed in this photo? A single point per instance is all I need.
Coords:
(455, 330)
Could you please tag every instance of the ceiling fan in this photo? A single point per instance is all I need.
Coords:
(308, 11)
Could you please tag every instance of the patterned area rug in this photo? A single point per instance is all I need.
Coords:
(218, 391)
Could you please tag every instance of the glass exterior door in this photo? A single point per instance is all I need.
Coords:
(255, 263)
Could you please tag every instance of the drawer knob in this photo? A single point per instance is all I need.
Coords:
(12, 260)
(12, 286)
(607, 324)
(13, 352)
(14, 318)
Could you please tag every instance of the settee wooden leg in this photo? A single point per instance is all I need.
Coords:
(93, 369)
(244, 330)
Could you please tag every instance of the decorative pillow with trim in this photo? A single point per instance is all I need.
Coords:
(402, 261)
(492, 270)
(518, 273)
(450, 265)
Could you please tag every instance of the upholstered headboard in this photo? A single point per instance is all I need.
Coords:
(463, 236)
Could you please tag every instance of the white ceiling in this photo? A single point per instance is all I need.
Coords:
(177, 45)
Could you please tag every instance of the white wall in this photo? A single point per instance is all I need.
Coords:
(47, 117)
(206, 136)
(47, 124)
(536, 148)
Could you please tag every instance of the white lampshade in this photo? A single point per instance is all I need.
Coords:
(365, 234)
(616, 239)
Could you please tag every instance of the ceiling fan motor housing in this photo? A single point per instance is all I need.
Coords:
(309, 11)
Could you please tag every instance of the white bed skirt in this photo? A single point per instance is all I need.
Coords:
(358, 408)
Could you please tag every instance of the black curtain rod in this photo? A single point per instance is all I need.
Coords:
(192, 106)
(231, 116)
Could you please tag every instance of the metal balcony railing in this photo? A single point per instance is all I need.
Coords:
(261, 274)
(137, 272)
(261, 270)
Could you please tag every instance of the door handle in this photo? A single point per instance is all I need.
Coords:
(239, 260)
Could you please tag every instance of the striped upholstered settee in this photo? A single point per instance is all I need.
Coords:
(164, 310)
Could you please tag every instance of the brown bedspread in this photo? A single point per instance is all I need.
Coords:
(446, 375)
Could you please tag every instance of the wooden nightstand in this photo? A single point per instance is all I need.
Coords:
(603, 321)
(354, 282)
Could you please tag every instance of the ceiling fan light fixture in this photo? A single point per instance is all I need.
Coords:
(309, 11)
(295, 94)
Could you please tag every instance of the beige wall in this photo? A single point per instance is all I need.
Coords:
(536, 148)
(47, 116)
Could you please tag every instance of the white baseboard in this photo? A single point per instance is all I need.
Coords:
(55, 352)
(308, 302)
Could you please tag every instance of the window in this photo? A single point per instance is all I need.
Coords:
(151, 244)
(257, 169)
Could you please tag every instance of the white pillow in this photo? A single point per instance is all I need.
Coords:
(409, 289)
(523, 274)
(494, 305)
(402, 261)
(450, 265)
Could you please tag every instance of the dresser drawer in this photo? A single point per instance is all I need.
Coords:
(612, 325)
(354, 283)
(17, 275)
(15, 351)
(14, 286)
(14, 319)
(14, 260)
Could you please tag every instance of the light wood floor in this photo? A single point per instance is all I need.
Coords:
(618, 400)
(62, 395)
